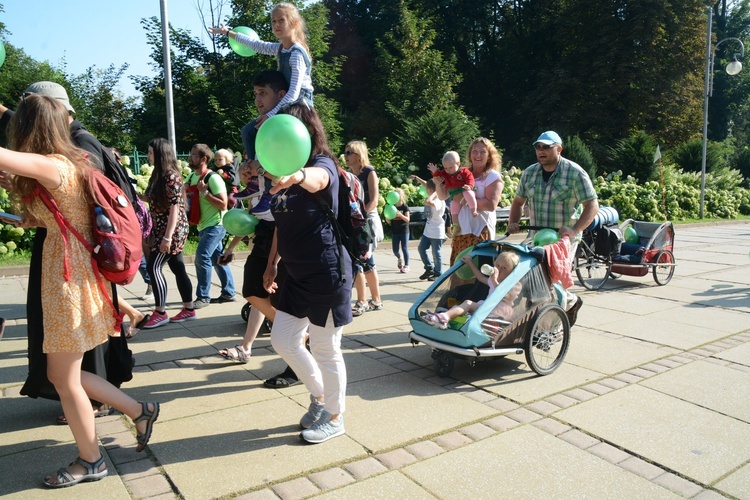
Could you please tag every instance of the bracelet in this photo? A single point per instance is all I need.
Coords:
(204, 193)
(166, 239)
(304, 175)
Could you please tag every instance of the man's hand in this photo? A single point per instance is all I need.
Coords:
(565, 230)
(513, 227)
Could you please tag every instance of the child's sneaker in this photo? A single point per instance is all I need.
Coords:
(359, 308)
(243, 195)
(184, 315)
(405, 269)
(400, 264)
(157, 319)
(374, 306)
(426, 274)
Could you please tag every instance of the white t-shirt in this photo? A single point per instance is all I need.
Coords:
(434, 226)
(475, 225)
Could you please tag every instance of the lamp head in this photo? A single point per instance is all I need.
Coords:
(734, 67)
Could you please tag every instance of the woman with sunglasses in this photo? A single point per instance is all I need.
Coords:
(359, 163)
(484, 163)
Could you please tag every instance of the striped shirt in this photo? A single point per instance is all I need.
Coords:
(557, 202)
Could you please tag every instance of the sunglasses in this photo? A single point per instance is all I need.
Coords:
(347, 153)
(543, 147)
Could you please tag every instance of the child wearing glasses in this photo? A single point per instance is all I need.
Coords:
(459, 182)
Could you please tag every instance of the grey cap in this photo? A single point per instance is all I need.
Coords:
(53, 90)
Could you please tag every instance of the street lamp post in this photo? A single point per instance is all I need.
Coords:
(733, 68)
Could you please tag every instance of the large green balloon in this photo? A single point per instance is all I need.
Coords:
(389, 211)
(393, 197)
(422, 191)
(545, 237)
(2, 54)
(464, 272)
(283, 145)
(239, 222)
(237, 47)
(630, 235)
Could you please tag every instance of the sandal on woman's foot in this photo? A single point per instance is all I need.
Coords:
(150, 417)
(280, 382)
(236, 353)
(132, 330)
(63, 477)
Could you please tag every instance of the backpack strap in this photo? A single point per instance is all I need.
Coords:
(337, 233)
(66, 226)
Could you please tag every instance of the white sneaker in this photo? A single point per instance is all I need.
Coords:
(149, 295)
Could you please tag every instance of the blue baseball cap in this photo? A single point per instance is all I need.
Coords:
(549, 137)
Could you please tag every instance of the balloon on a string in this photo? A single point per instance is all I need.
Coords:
(422, 191)
(464, 272)
(631, 236)
(546, 237)
(393, 197)
(389, 211)
(283, 145)
(237, 47)
(2, 54)
(239, 222)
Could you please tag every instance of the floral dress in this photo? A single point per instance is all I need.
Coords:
(173, 195)
(77, 314)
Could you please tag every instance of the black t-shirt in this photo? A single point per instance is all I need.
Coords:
(364, 174)
(399, 226)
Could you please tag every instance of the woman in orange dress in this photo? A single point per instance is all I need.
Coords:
(77, 316)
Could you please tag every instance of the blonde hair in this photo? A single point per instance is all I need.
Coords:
(360, 148)
(299, 28)
(452, 155)
(494, 162)
(510, 259)
(401, 193)
(226, 154)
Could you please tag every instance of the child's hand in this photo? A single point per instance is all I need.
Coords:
(432, 167)
(260, 120)
(412, 177)
(466, 187)
(466, 259)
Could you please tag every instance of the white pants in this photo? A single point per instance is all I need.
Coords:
(322, 370)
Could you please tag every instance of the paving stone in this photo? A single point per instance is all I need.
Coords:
(188, 363)
(641, 467)
(579, 439)
(362, 469)
(713, 348)
(164, 366)
(441, 381)
(422, 373)
(477, 431)
(295, 489)
(640, 372)
(668, 363)
(406, 366)
(481, 396)
(680, 359)
(391, 360)
(522, 415)
(266, 494)
(138, 469)
(628, 378)
(552, 426)
(377, 354)
(670, 349)
(580, 394)
(461, 387)
(742, 368)
(724, 344)
(424, 449)
(501, 423)
(609, 453)
(561, 400)
(542, 408)
(452, 440)
(331, 478)
(653, 367)
(693, 356)
(701, 352)
(149, 486)
(597, 389)
(396, 459)
(677, 484)
(502, 404)
(613, 383)
(708, 495)
(717, 361)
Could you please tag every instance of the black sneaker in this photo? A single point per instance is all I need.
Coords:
(243, 195)
(433, 277)
(222, 299)
(573, 311)
(426, 275)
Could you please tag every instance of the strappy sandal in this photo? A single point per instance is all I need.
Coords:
(63, 478)
(434, 319)
(150, 417)
(236, 353)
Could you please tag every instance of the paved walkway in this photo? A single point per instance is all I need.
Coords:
(653, 401)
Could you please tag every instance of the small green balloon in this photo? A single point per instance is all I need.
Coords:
(2, 54)
(389, 211)
(283, 145)
(239, 222)
(545, 237)
(237, 47)
(393, 197)
(464, 272)
(422, 191)
(630, 235)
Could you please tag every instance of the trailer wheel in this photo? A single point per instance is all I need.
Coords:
(664, 267)
(547, 339)
(444, 362)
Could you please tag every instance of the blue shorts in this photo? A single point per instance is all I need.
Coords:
(368, 265)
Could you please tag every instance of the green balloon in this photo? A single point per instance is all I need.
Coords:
(2, 54)
(422, 191)
(239, 222)
(545, 237)
(389, 211)
(393, 197)
(464, 272)
(237, 47)
(630, 235)
(283, 145)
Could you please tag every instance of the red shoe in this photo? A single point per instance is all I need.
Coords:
(157, 319)
(183, 315)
